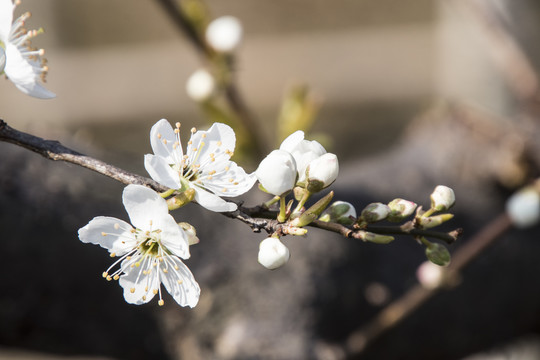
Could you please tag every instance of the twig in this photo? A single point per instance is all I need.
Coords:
(398, 310)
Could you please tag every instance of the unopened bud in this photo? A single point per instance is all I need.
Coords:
(340, 212)
(400, 209)
(432, 221)
(375, 238)
(523, 207)
(272, 253)
(442, 198)
(2, 59)
(375, 212)
(277, 172)
(313, 212)
(322, 172)
(182, 199)
(200, 85)
(438, 254)
(224, 34)
(190, 232)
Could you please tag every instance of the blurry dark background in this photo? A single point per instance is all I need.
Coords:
(412, 96)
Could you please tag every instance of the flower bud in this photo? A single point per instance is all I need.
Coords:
(438, 254)
(277, 172)
(303, 151)
(200, 85)
(375, 212)
(340, 212)
(224, 34)
(429, 275)
(442, 198)
(376, 238)
(523, 207)
(400, 209)
(2, 59)
(190, 232)
(322, 172)
(272, 253)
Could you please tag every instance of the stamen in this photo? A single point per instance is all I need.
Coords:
(159, 136)
(193, 130)
(219, 143)
(116, 226)
(132, 290)
(161, 302)
(178, 125)
(103, 234)
(164, 141)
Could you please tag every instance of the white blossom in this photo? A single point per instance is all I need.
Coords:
(272, 253)
(224, 34)
(205, 167)
(323, 169)
(523, 207)
(24, 65)
(303, 151)
(200, 85)
(277, 172)
(149, 253)
(442, 198)
(375, 212)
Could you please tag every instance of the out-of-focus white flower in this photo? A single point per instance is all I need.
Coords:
(149, 253)
(200, 85)
(277, 172)
(303, 151)
(322, 172)
(523, 207)
(272, 253)
(24, 65)
(340, 212)
(375, 212)
(442, 198)
(206, 166)
(430, 275)
(224, 34)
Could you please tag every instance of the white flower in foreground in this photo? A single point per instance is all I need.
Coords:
(523, 207)
(272, 253)
(442, 198)
(224, 34)
(24, 64)
(277, 172)
(200, 85)
(322, 172)
(149, 253)
(303, 151)
(205, 167)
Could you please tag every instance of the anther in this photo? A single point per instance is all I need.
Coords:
(112, 254)
(177, 131)
(155, 291)
(164, 141)
(132, 290)
(109, 278)
(116, 277)
(103, 234)
(212, 172)
(116, 226)
(203, 135)
(105, 274)
(193, 130)
(144, 297)
(161, 302)
(165, 271)
(231, 180)
(219, 143)
(159, 136)
(178, 125)
(179, 282)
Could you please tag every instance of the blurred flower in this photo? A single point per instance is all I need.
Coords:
(272, 253)
(24, 65)
(429, 275)
(277, 172)
(523, 207)
(200, 85)
(205, 167)
(303, 151)
(149, 253)
(224, 34)
(442, 198)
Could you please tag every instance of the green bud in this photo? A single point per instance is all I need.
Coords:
(376, 238)
(340, 212)
(400, 209)
(432, 221)
(375, 212)
(438, 254)
(182, 199)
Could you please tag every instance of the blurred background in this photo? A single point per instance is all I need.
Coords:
(411, 94)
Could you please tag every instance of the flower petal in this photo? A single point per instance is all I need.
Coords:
(6, 18)
(228, 180)
(212, 202)
(219, 142)
(165, 142)
(181, 284)
(292, 140)
(159, 170)
(173, 236)
(110, 233)
(143, 205)
(139, 287)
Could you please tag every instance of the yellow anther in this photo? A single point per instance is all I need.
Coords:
(202, 144)
(133, 231)
(109, 278)
(219, 143)
(161, 302)
(190, 142)
(112, 254)
(231, 180)
(165, 271)
(138, 263)
(177, 131)
(146, 289)
(159, 136)
(212, 159)
(144, 297)
(177, 125)
(160, 259)
(154, 264)
(164, 141)
(128, 257)
(151, 222)
(176, 267)
(116, 226)
(175, 145)
(132, 290)
(235, 183)
(203, 135)
(193, 130)
(212, 172)
(227, 168)
(179, 282)
(104, 274)
(155, 291)
(209, 177)
(194, 149)
(103, 234)
(147, 233)
(224, 190)
(116, 277)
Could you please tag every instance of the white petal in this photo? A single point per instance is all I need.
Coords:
(277, 172)
(110, 233)
(173, 236)
(159, 170)
(229, 180)
(212, 202)
(187, 292)
(138, 287)
(163, 140)
(292, 140)
(143, 205)
(6, 18)
(219, 141)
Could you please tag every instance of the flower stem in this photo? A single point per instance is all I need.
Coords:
(302, 202)
(167, 193)
(271, 202)
(282, 216)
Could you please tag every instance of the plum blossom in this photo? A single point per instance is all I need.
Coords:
(205, 167)
(224, 34)
(303, 151)
(272, 253)
(24, 65)
(149, 253)
(277, 172)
